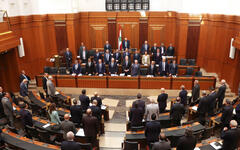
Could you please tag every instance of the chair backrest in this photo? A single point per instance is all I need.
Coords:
(130, 145)
(44, 136)
(46, 69)
(198, 74)
(143, 71)
(83, 70)
(53, 70)
(85, 146)
(189, 71)
(192, 62)
(198, 135)
(207, 133)
(174, 140)
(137, 128)
(31, 132)
(62, 70)
(183, 61)
(92, 52)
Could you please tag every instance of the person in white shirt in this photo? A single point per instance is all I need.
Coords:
(146, 59)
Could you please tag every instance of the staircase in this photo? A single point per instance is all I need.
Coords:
(32, 85)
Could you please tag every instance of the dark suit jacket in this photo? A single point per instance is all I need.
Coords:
(44, 82)
(76, 113)
(173, 70)
(203, 105)
(162, 100)
(114, 69)
(161, 145)
(135, 70)
(170, 51)
(143, 49)
(227, 113)
(154, 49)
(136, 116)
(67, 126)
(23, 90)
(109, 48)
(152, 131)
(177, 111)
(152, 71)
(90, 69)
(22, 77)
(221, 92)
(196, 92)
(211, 101)
(186, 143)
(163, 53)
(125, 67)
(99, 100)
(128, 44)
(78, 70)
(70, 145)
(96, 111)
(117, 57)
(102, 71)
(156, 58)
(86, 54)
(68, 57)
(97, 56)
(183, 96)
(26, 117)
(90, 126)
(161, 68)
(126, 54)
(109, 59)
(84, 102)
(230, 139)
(141, 104)
(137, 57)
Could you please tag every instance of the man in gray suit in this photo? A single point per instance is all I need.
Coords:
(50, 86)
(8, 108)
(24, 90)
(151, 108)
(135, 70)
(163, 144)
(67, 126)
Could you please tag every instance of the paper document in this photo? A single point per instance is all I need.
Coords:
(194, 108)
(46, 125)
(103, 107)
(216, 145)
(80, 132)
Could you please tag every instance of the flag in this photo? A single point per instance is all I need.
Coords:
(232, 50)
(120, 38)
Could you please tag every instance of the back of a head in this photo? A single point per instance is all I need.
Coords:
(188, 132)
(162, 90)
(22, 104)
(204, 93)
(153, 117)
(212, 88)
(50, 77)
(162, 137)
(139, 95)
(89, 112)
(70, 136)
(178, 99)
(95, 102)
(152, 101)
(182, 87)
(66, 117)
(75, 102)
(233, 124)
(83, 91)
(228, 102)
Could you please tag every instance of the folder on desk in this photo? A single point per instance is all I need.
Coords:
(80, 132)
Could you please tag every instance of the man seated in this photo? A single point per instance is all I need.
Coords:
(117, 56)
(176, 113)
(26, 116)
(152, 69)
(137, 56)
(67, 126)
(70, 144)
(145, 59)
(76, 69)
(97, 98)
(135, 69)
(152, 130)
(157, 57)
(162, 144)
(170, 50)
(100, 68)
(97, 56)
(107, 57)
(107, 46)
(113, 68)
(173, 69)
(76, 112)
(163, 67)
(126, 66)
(145, 47)
(90, 67)
(96, 111)
(8, 108)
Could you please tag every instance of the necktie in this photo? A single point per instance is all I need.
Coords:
(145, 46)
(107, 57)
(84, 55)
(125, 43)
(112, 65)
(100, 67)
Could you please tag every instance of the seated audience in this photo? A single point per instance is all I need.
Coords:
(231, 136)
(183, 95)
(137, 56)
(96, 111)
(202, 108)
(24, 76)
(152, 69)
(26, 116)
(8, 108)
(170, 50)
(90, 67)
(113, 68)
(173, 69)
(145, 59)
(117, 56)
(90, 126)
(97, 56)
(54, 117)
(84, 99)
(154, 48)
(100, 68)
(163, 67)
(162, 49)
(187, 142)
(68, 58)
(135, 69)
(136, 115)
(70, 144)
(50, 86)
(176, 113)
(151, 108)
(107, 46)
(126, 43)
(157, 57)
(76, 69)
(76, 112)
(67, 126)
(227, 113)
(107, 57)
(126, 66)
(145, 47)
(162, 101)
(24, 90)
(141, 103)
(97, 98)
(162, 144)
(152, 130)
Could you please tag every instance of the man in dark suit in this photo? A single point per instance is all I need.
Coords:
(100, 68)
(221, 93)
(96, 111)
(76, 113)
(90, 126)
(135, 69)
(154, 48)
(152, 69)
(107, 46)
(145, 47)
(8, 108)
(1, 106)
(141, 103)
(136, 115)
(183, 95)
(163, 67)
(97, 56)
(227, 113)
(126, 66)
(195, 91)
(173, 68)
(67, 126)
(84, 99)
(157, 57)
(68, 57)
(70, 144)
(97, 98)
(162, 49)
(170, 50)
(187, 142)
(113, 68)
(107, 57)
(117, 56)
(176, 113)
(44, 83)
(84, 55)
(26, 116)
(162, 144)
(126, 53)
(126, 43)
(81, 48)
(162, 100)
(202, 108)
(152, 130)
(137, 56)
(24, 76)
(212, 101)
(76, 69)
(231, 136)
(90, 67)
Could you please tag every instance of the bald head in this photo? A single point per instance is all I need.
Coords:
(89, 112)
(162, 136)
(95, 93)
(223, 82)
(95, 102)
(196, 82)
(70, 136)
(204, 93)
(66, 117)
(182, 87)
(162, 90)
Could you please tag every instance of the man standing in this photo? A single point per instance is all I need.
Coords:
(76, 69)
(126, 43)
(70, 144)
(113, 68)
(100, 68)
(227, 113)
(162, 49)
(68, 57)
(195, 91)
(152, 69)
(203, 108)
(50, 86)
(84, 55)
(212, 101)
(97, 56)
(97, 98)
(145, 47)
(187, 142)
(154, 48)
(141, 103)
(173, 69)
(96, 111)
(162, 100)
(152, 130)
(151, 108)
(107, 57)
(90, 67)
(163, 144)
(84, 99)
(170, 50)
(136, 56)
(8, 108)
(24, 76)
(1, 106)
(117, 56)
(107, 46)
(67, 126)
(136, 115)
(183, 95)
(163, 67)
(157, 57)
(24, 90)
(76, 113)
(44, 83)
(221, 93)
(176, 113)
(126, 66)
(135, 69)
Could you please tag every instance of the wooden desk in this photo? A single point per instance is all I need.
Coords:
(206, 82)
(183, 68)
(155, 82)
(186, 81)
(92, 82)
(123, 82)
(66, 81)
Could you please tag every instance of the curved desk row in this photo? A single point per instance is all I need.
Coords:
(139, 82)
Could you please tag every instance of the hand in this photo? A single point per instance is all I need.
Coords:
(225, 129)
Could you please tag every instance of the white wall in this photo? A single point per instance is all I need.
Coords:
(27, 7)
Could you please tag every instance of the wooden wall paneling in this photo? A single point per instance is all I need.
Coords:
(52, 43)
(155, 83)
(171, 29)
(123, 82)
(206, 82)
(61, 36)
(84, 29)
(186, 81)
(66, 81)
(112, 33)
(92, 82)
(143, 31)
